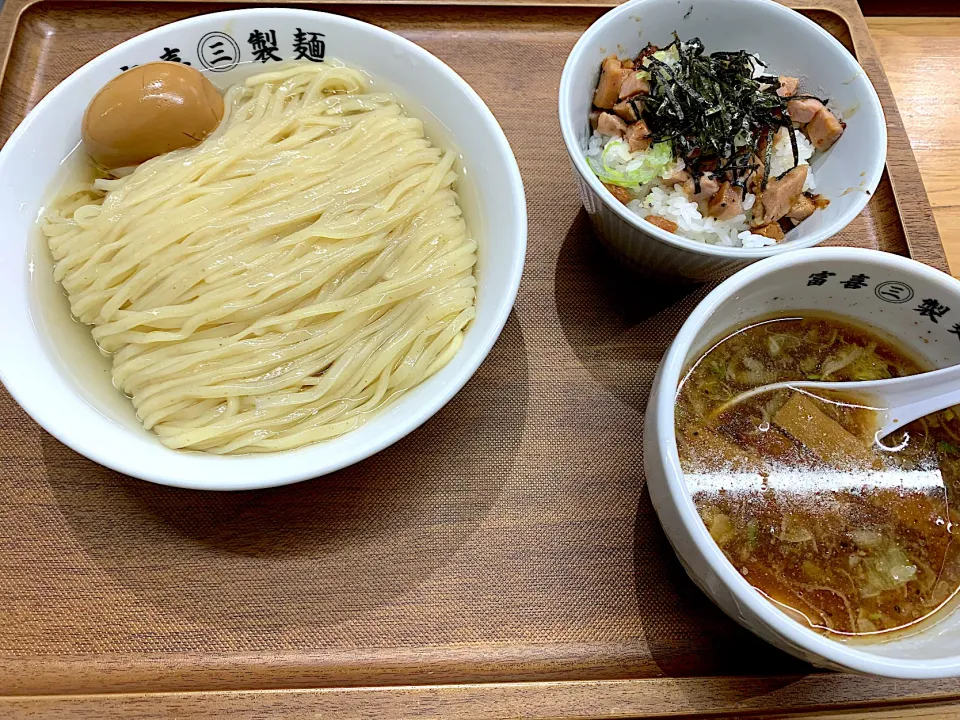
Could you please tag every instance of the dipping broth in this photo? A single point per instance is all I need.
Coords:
(849, 537)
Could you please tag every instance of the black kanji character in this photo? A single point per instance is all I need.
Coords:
(955, 329)
(932, 309)
(856, 282)
(309, 46)
(172, 55)
(124, 68)
(819, 278)
(264, 45)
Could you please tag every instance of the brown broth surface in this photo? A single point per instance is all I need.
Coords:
(848, 537)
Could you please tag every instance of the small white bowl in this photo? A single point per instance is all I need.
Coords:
(54, 381)
(896, 288)
(791, 44)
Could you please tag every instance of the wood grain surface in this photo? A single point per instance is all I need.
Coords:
(611, 699)
(921, 57)
(528, 579)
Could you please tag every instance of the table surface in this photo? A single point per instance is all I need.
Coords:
(921, 57)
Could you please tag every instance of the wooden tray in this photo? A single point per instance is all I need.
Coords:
(503, 560)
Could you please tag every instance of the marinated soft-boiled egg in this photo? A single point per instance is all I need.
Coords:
(150, 110)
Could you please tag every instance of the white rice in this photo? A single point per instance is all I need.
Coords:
(672, 203)
(656, 198)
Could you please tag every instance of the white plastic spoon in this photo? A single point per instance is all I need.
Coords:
(898, 401)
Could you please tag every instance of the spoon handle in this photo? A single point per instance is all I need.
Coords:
(913, 397)
(898, 400)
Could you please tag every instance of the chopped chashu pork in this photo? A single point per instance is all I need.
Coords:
(708, 188)
(629, 110)
(777, 198)
(662, 223)
(726, 203)
(608, 89)
(803, 111)
(756, 178)
(620, 193)
(824, 130)
(677, 177)
(638, 136)
(800, 209)
(820, 125)
(631, 85)
(610, 124)
(788, 86)
(770, 230)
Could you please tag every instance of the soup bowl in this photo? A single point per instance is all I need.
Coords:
(914, 304)
(791, 44)
(49, 363)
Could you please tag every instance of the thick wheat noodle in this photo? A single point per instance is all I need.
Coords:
(272, 287)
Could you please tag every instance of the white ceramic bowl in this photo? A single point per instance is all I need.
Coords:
(792, 45)
(896, 288)
(64, 386)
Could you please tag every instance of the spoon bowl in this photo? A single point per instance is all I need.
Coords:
(897, 401)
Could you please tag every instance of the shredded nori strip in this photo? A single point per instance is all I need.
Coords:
(712, 108)
(793, 147)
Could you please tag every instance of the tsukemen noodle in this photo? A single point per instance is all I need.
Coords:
(277, 275)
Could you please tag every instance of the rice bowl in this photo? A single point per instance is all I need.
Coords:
(714, 147)
(847, 175)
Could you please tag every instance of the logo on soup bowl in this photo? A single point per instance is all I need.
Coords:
(847, 314)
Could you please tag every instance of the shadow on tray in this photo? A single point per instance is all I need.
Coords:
(346, 543)
(614, 320)
(687, 633)
(619, 326)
